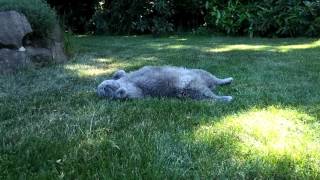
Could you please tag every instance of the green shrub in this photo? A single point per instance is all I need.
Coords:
(280, 18)
(76, 14)
(117, 17)
(231, 17)
(41, 17)
(140, 16)
(188, 14)
(148, 16)
(285, 18)
(156, 18)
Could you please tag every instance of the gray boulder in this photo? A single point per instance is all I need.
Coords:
(14, 27)
(57, 45)
(11, 60)
(58, 54)
(39, 56)
(54, 44)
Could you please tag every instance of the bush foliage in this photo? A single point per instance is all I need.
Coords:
(76, 14)
(140, 16)
(128, 17)
(265, 17)
(41, 17)
(282, 18)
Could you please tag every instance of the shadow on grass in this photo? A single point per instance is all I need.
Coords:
(264, 65)
(277, 142)
(106, 45)
(221, 56)
(267, 75)
(55, 110)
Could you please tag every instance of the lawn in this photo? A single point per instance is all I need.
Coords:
(52, 124)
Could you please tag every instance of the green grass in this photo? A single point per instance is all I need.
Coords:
(52, 124)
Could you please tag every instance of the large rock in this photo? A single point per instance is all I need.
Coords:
(58, 54)
(14, 27)
(39, 56)
(11, 60)
(18, 49)
(57, 45)
(54, 43)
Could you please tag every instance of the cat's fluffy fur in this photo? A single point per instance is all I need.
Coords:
(162, 81)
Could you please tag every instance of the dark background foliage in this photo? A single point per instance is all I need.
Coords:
(189, 14)
(281, 18)
(130, 17)
(75, 14)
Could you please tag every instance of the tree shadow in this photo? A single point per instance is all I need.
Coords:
(265, 65)
(273, 142)
(281, 72)
(203, 52)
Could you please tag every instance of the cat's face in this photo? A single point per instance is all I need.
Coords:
(108, 88)
(111, 89)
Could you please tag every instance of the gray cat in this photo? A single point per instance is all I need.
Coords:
(164, 81)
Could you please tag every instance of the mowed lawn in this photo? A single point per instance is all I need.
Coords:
(52, 124)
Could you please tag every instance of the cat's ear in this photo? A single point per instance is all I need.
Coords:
(119, 74)
(121, 93)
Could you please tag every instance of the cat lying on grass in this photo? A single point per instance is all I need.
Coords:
(163, 81)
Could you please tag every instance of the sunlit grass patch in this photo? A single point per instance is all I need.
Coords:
(178, 46)
(266, 138)
(286, 48)
(91, 66)
(83, 70)
(239, 47)
(258, 47)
